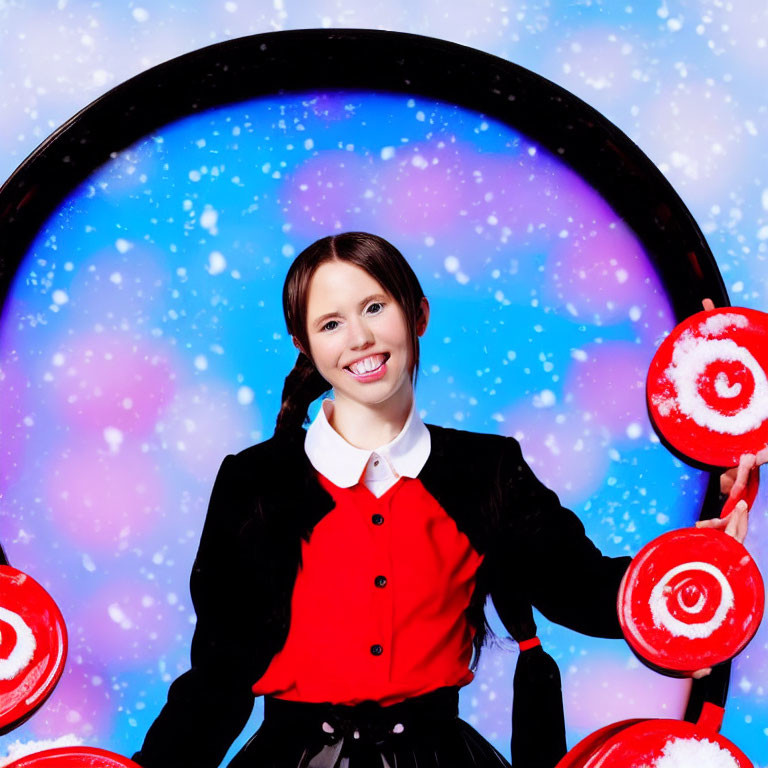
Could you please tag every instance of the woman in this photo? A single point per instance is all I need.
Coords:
(342, 571)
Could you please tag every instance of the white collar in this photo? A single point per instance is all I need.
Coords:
(343, 464)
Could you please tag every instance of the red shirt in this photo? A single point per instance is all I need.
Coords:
(379, 604)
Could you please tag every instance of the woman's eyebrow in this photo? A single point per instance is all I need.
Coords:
(361, 304)
(377, 296)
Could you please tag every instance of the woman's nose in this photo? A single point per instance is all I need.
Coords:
(361, 335)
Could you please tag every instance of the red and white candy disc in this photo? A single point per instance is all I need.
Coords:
(707, 386)
(580, 753)
(690, 599)
(33, 646)
(667, 744)
(74, 757)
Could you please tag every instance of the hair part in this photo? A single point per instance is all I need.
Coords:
(385, 264)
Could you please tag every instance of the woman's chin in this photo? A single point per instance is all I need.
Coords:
(378, 393)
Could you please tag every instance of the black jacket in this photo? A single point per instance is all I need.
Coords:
(266, 499)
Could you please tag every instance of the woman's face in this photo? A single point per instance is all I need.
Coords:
(358, 336)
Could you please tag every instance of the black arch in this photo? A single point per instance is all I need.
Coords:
(305, 60)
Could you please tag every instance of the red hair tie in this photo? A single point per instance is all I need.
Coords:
(530, 643)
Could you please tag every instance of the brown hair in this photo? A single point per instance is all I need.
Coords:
(385, 264)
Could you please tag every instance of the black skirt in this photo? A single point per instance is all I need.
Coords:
(422, 732)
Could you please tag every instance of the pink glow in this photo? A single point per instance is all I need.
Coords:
(412, 191)
(531, 194)
(79, 705)
(603, 689)
(129, 622)
(610, 385)
(595, 268)
(565, 451)
(13, 412)
(750, 668)
(540, 195)
(203, 424)
(124, 283)
(326, 194)
(104, 500)
(426, 189)
(103, 381)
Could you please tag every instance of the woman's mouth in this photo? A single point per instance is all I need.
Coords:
(369, 368)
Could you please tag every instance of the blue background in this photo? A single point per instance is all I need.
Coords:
(151, 288)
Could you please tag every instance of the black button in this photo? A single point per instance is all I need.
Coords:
(378, 519)
(380, 581)
(377, 650)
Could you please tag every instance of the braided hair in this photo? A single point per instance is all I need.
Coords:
(383, 262)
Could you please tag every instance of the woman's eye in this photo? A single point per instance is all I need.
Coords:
(331, 325)
(375, 307)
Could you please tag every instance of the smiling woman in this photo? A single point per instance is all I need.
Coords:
(145, 247)
(355, 309)
(358, 337)
(409, 527)
(364, 351)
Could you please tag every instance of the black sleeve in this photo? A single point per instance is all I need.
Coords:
(543, 557)
(209, 705)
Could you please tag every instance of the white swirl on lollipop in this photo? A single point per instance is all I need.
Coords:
(660, 608)
(683, 753)
(691, 356)
(23, 649)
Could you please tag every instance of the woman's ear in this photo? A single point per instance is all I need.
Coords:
(422, 318)
(297, 344)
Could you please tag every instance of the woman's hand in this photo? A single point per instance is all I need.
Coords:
(734, 482)
(735, 524)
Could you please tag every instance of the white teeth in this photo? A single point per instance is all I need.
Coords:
(367, 365)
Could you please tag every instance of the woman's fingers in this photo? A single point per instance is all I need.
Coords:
(726, 481)
(715, 522)
(699, 673)
(735, 524)
(736, 521)
(739, 476)
(743, 525)
(746, 464)
(734, 480)
(708, 305)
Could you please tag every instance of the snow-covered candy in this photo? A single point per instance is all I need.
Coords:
(707, 387)
(690, 599)
(666, 744)
(583, 751)
(74, 757)
(33, 646)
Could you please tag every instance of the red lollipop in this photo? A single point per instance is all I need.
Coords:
(577, 756)
(74, 757)
(667, 744)
(707, 387)
(33, 646)
(690, 599)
